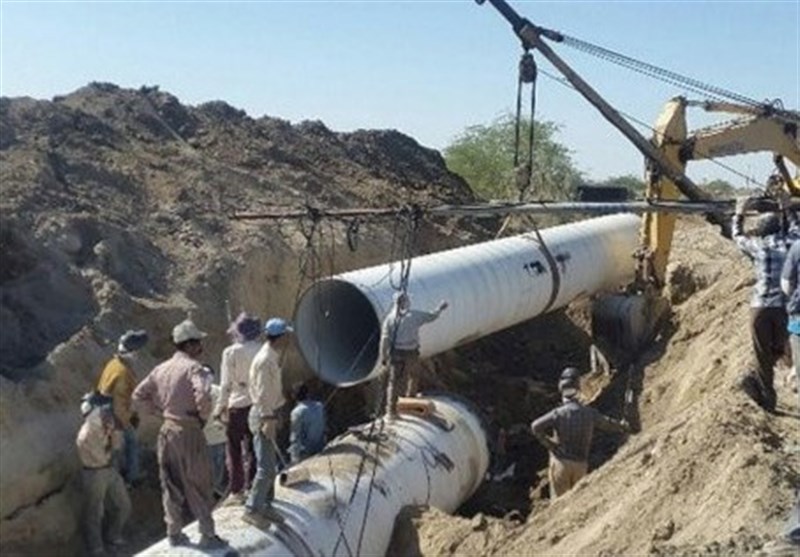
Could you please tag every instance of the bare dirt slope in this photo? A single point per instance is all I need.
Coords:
(710, 473)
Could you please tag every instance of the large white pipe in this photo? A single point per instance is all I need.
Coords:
(356, 487)
(490, 286)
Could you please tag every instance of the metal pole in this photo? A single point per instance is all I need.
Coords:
(533, 208)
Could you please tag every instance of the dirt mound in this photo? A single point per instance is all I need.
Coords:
(710, 473)
(116, 205)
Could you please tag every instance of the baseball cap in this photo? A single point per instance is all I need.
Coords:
(276, 327)
(186, 330)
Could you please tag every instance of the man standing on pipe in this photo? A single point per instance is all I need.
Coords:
(234, 403)
(399, 347)
(574, 426)
(266, 394)
(180, 390)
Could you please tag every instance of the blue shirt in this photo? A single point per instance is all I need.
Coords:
(791, 270)
(307, 436)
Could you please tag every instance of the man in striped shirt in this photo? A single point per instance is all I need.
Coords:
(766, 246)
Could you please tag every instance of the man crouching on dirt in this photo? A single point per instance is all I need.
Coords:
(574, 426)
(180, 389)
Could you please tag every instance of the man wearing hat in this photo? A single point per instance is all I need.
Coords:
(180, 390)
(101, 482)
(117, 382)
(574, 425)
(266, 393)
(766, 247)
(399, 346)
(234, 402)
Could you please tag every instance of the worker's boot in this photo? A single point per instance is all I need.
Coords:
(179, 540)
(752, 388)
(770, 399)
(212, 542)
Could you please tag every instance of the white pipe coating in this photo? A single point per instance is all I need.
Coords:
(357, 486)
(489, 286)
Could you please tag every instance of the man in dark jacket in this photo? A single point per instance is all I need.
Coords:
(574, 425)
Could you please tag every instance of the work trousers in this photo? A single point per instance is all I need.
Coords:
(104, 490)
(403, 375)
(769, 334)
(126, 458)
(263, 489)
(185, 473)
(564, 474)
(216, 457)
(241, 458)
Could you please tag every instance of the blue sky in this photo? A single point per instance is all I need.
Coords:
(428, 69)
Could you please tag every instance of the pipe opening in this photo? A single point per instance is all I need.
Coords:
(338, 332)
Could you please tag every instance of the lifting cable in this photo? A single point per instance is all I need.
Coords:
(656, 72)
(409, 217)
(647, 126)
(523, 173)
(527, 75)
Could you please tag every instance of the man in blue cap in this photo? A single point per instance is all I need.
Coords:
(266, 394)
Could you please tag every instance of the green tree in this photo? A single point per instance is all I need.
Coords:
(484, 156)
(719, 189)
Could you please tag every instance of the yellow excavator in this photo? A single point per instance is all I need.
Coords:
(626, 322)
(757, 129)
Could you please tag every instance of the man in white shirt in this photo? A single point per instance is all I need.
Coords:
(266, 393)
(399, 348)
(234, 403)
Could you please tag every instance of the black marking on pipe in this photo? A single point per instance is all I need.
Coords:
(562, 259)
(534, 267)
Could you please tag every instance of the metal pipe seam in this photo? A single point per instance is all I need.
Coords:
(356, 487)
(490, 286)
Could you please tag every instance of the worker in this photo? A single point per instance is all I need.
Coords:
(399, 348)
(574, 426)
(234, 403)
(266, 393)
(117, 381)
(180, 390)
(766, 247)
(307, 425)
(790, 285)
(216, 439)
(106, 496)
